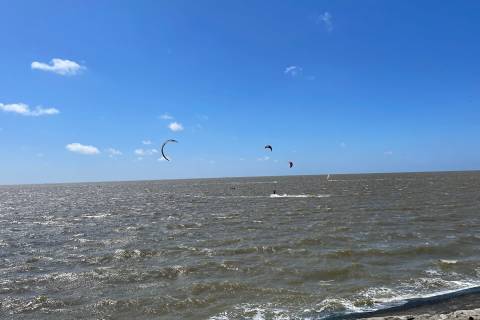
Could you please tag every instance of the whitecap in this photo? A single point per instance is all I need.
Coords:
(98, 216)
(339, 304)
(299, 195)
(419, 288)
(447, 261)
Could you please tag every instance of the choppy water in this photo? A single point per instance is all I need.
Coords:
(227, 249)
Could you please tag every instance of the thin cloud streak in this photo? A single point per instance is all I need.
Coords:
(166, 116)
(24, 110)
(145, 152)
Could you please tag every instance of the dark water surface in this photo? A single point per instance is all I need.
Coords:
(225, 249)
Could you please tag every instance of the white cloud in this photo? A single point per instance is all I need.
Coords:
(59, 66)
(162, 159)
(145, 152)
(113, 152)
(388, 153)
(175, 126)
(266, 158)
(166, 116)
(326, 19)
(293, 71)
(24, 110)
(39, 111)
(82, 149)
(146, 142)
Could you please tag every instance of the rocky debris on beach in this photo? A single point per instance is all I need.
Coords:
(461, 314)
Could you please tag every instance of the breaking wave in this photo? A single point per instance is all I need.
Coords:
(299, 195)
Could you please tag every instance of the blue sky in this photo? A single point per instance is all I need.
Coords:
(335, 86)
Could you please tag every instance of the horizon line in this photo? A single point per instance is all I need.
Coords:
(240, 177)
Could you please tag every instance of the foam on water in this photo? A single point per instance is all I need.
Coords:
(446, 261)
(299, 195)
(96, 216)
(372, 299)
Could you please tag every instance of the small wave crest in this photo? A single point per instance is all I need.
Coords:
(260, 197)
(361, 304)
(381, 298)
(255, 182)
(299, 195)
(448, 261)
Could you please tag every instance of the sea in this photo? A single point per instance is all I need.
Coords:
(283, 248)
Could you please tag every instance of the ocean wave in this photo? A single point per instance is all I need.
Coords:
(352, 270)
(262, 249)
(133, 275)
(236, 183)
(41, 302)
(338, 305)
(135, 253)
(118, 255)
(151, 306)
(423, 249)
(380, 298)
(188, 226)
(233, 287)
(447, 261)
(360, 304)
(254, 182)
(96, 216)
(299, 195)
(260, 197)
(108, 275)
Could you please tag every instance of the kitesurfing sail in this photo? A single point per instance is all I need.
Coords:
(163, 146)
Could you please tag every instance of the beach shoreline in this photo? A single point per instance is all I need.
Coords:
(460, 314)
(460, 305)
